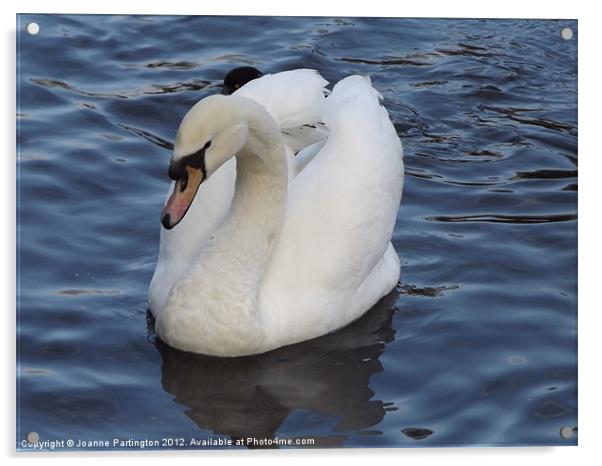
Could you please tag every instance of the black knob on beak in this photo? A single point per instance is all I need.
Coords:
(176, 170)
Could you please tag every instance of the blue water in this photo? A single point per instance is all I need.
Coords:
(476, 345)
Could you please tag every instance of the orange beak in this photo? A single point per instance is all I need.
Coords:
(181, 199)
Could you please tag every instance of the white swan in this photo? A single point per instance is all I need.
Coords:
(290, 261)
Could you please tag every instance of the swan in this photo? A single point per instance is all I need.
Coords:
(294, 257)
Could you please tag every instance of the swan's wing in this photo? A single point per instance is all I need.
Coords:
(384, 276)
(306, 155)
(296, 100)
(293, 98)
(340, 216)
(305, 135)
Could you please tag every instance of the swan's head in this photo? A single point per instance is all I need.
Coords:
(211, 133)
(238, 77)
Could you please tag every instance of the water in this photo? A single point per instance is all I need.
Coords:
(477, 345)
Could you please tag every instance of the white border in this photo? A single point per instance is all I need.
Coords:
(457, 8)
(589, 248)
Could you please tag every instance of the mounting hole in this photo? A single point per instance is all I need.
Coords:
(566, 432)
(33, 28)
(32, 437)
(566, 33)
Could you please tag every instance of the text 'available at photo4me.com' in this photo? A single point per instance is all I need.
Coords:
(34, 443)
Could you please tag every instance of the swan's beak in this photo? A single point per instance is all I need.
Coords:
(182, 196)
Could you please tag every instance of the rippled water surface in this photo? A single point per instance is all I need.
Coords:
(477, 344)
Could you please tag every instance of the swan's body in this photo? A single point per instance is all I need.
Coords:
(293, 258)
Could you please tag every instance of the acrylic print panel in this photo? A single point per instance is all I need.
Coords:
(474, 345)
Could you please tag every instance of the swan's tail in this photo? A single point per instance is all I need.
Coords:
(293, 98)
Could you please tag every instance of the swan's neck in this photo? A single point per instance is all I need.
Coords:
(245, 242)
(216, 305)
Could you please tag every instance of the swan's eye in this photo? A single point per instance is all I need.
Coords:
(208, 145)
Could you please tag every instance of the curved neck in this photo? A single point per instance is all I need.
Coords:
(243, 245)
(222, 288)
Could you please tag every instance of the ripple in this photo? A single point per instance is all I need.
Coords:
(170, 65)
(423, 174)
(386, 61)
(427, 291)
(516, 114)
(87, 292)
(466, 51)
(147, 135)
(429, 83)
(193, 85)
(518, 219)
(51, 83)
(470, 157)
(417, 433)
(545, 175)
(36, 372)
(551, 409)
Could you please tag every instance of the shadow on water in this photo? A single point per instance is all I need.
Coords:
(253, 396)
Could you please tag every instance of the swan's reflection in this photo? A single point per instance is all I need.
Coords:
(253, 395)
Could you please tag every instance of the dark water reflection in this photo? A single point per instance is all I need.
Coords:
(476, 346)
(253, 396)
